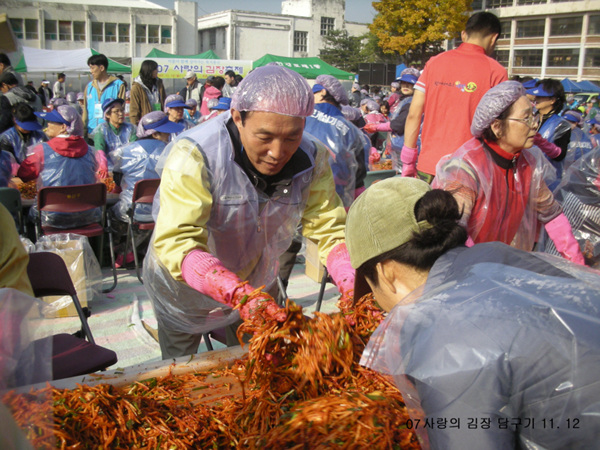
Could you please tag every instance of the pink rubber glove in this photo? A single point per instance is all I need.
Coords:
(205, 273)
(102, 164)
(552, 151)
(374, 127)
(374, 156)
(409, 161)
(340, 270)
(559, 230)
(469, 242)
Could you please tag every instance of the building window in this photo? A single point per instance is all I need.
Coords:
(592, 57)
(64, 30)
(224, 37)
(97, 32)
(79, 31)
(502, 57)
(50, 30)
(531, 2)
(31, 29)
(498, 3)
(123, 32)
(530, 28)
(504, 30)
(17, 27)
(327, 25)
(153, 34)
(110, 32)
(477, 5)
(165, 34)
(563, 57)
(566, 26)
(300, 41)
(528, 58)
(140, 34)
(212, 38)
(594, 25)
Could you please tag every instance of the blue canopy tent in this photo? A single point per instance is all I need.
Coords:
(588, 86)
(571, 87)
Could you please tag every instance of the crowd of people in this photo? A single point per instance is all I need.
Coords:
(494, 177)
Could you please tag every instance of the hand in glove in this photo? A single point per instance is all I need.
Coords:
(374, 156)
(374, 127)
(205, 273)
(552, 151)
(559, 230)
(102, 164)
(409, 161)
(340, 270)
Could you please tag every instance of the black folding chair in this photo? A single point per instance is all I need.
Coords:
(72, 354)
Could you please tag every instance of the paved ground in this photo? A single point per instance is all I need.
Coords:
(123, 320)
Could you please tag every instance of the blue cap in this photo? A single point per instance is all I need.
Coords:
(593, 121)
(572, 116)
(539, 92)
(224, 104)
(106, 104)
(408, 78)
(529, 84)
(52, 116)
(318, 88)
(32, 125)
(164, 125)
(177, 104)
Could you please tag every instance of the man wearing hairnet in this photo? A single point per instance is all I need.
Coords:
(233, 190)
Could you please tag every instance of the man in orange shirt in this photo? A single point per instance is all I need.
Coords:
(447, 93)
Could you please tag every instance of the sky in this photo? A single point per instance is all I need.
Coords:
(356, 10)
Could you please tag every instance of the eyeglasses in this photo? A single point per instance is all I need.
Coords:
(532, 121)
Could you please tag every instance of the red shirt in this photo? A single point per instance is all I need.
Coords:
(453, 83)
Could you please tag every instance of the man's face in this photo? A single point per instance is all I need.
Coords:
(175, 114)
(229, 80)
(190, 80)
(95, 70)
(61, 79)
(269, 139)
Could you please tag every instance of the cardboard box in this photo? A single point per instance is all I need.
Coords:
(313, 269)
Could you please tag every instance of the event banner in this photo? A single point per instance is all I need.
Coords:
(203, 68)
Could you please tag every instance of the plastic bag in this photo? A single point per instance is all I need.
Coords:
(20, 362)
(83, 266)
(502, 335)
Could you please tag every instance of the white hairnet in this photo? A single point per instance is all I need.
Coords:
(71, 97)
(395, 84)
(334, 87)
(58, 101)
(372, 105)
(211, 103)
(274, 89)
(493, 103)
(351, 113)
(71, 115)
(191, 102)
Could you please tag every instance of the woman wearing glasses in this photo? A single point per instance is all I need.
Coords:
(497, 177)
(114, 132)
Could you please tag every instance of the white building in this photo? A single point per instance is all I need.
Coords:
(548, 38)
(297, 32)
(120, 29)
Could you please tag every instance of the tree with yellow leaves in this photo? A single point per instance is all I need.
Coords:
(418, 26)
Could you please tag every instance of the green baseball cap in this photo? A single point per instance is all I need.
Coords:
(381, 219)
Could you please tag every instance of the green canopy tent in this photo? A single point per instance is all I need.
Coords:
(156, 53)
(309, 68)
(35, 60)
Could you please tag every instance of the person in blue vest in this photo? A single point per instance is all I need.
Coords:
(580, 143)
(549, 101)
(134, 162)
(65, 160)
(192, 114)
(103, 86)
(174, 106)
(25, 133)
(349, 152)
(114, 132)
